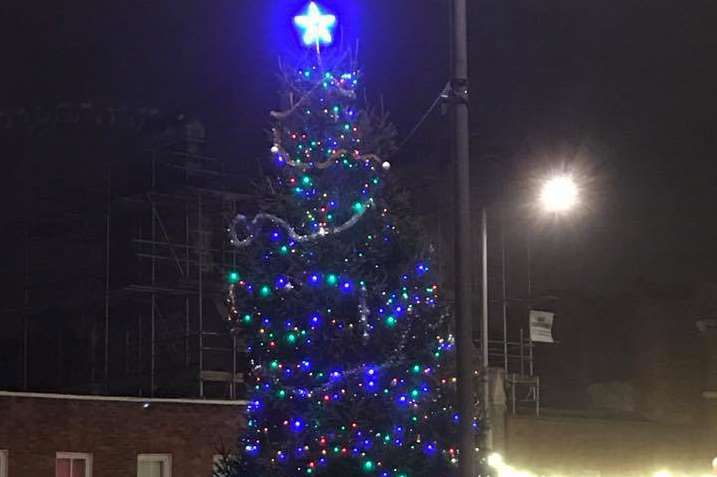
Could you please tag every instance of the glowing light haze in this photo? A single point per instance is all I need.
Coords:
(559, 194)
(316, 27)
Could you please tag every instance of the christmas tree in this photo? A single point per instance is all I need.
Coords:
(350, 348)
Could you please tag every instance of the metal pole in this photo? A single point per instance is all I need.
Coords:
(529, 259)
(153, 315)
(522, 353)
(484, 285)
(26, 313)
(484, 331)
(461, 150)
(504, 297)
(108, 232)
(200, 297)
(530, 351)
(25, 344)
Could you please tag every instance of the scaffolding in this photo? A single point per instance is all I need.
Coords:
(145, 269)
(182, 255)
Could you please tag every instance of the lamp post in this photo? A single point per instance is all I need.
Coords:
(558, 195)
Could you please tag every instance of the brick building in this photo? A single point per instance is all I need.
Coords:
(81, 436)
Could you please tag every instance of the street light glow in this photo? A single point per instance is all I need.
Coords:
(559, 194)
(502, 469)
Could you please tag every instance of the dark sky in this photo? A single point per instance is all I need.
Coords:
(622, 92)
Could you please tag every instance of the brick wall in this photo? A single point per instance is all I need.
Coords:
(114, 432)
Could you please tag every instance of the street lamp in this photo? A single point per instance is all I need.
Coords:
(559, 194)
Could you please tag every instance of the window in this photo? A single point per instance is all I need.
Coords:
(154, 465)
(73, 464)
(3, 463)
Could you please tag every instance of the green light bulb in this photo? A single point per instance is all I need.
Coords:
(358, 207)
(332, 280)
(233, 277)
(284, 250)
(390, 321)
(281, 394)
(415, 393)
(416, 368)
(306, 180)
(247, 319)
(368, 466)
(265, 291)
(274, 364)
(291, 338)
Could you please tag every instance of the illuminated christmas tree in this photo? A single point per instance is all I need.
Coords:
(351, 352)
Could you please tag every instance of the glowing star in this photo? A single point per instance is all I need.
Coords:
(316, 26)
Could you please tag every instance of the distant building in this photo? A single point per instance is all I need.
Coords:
(114, 296)
(115, 284)
(84, 436)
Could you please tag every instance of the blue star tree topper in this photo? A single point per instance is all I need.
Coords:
(316, 27)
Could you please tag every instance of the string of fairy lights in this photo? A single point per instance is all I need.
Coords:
(349, 352)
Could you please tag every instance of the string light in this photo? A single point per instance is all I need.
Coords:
(334, 285)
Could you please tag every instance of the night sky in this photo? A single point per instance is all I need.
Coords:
(622, 93)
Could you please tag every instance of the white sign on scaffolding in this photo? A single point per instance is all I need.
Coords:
(541, 326)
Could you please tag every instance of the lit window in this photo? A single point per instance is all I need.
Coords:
(3, 463)
(154, 465)
(73, 464)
